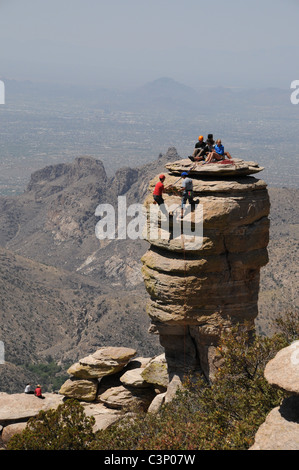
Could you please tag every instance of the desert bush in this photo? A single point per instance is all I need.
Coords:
(66, 428)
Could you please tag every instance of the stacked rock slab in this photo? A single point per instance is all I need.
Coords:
(114, 377)
(201, 284)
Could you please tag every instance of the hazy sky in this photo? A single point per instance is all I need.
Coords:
(125, 43)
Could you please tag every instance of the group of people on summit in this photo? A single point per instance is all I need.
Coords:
(209, 151)
(204, 152)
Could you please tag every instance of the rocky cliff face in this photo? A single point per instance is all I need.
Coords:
(197, 289)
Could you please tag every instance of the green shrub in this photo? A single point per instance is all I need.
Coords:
(66, 428)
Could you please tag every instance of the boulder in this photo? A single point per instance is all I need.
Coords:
(105, 361)
(133, 378)
(157, 403)
(81, 389)
(104, 416)
(283, 370)
(10, 430)
(280, 431)
(156, 372)
(126, 398)
(175, 384)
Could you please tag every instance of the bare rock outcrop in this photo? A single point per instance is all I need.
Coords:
(206, 281)
(280, 431)
(20, 407)
(16, 409)
(113, 377)
(108, 383)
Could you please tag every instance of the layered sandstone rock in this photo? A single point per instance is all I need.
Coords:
(114, 377)
(202, 282)
(105, 361)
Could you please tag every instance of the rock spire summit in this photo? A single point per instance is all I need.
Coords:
(195, 293)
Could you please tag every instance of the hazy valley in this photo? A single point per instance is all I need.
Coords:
(44, 124)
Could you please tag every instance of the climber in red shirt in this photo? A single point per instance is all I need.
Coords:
(159, 190)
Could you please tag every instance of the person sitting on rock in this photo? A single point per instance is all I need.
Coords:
(209, 147)
(38, 392)
(218, 153)
(28, 389)
(210, 142)
(199, 150)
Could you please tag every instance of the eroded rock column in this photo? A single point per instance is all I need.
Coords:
(198, 291)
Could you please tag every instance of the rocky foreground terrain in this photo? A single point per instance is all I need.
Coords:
(64, 293)
(112, 381)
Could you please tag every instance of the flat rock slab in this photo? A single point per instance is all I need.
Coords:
(236, 167)
(105, 361)
(19, 406)
(209, 185)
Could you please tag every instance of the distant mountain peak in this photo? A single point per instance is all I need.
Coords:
(167, 83)
(168, 91)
